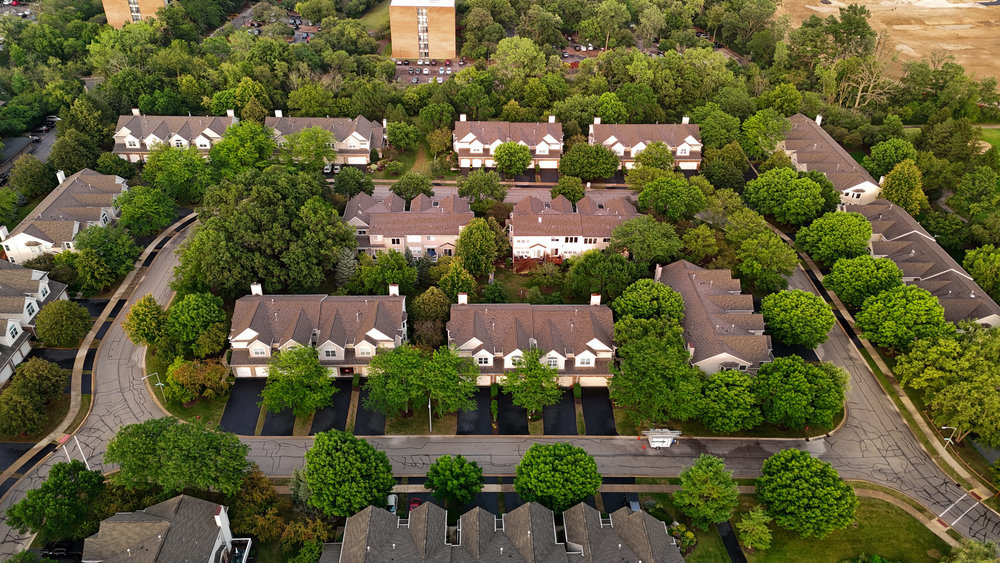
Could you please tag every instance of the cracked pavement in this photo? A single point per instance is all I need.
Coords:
(874, 444)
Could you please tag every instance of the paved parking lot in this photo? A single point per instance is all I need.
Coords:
(93, 306)
(404, 75)
(241, 412)
(560, 418)
(61, 357)
(334, 417)
(368, 422)
(597, 412)
(477, 421)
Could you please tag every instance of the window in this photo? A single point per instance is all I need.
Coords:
(516, 360)
(202, 145)
(7, 247)
(572, 239)
(362, 231)
(683, 151)
(589, 240)
(483, 360)
(31, 309)
(743, 367)
(476, 148)
(13, 331)
(555, 239)
(258, 351)
(394, 241)
(365, 352)
(607, 239)
(552, 362)
(352, 144)
(12, 260)
(45, 291)
(429, 237)
(178, 143)
(584, 362)
(69, 246)
(447, 252)
(132, 143)
(329, 353)
(542, 149)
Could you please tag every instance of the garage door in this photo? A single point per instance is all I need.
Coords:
(593, 382)
(261, 371)
(464, 163)
(357, 160)
(17, 357)
(688, 165)
(477, 163)
(244, 372)
(5, 374)
(548, 164)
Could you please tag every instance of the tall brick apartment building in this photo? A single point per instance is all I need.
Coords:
(422, 29)
(120, 12)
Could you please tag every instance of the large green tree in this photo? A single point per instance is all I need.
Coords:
(983, 264)
(309, 149)
(146, 321)
(794, 393)
(646, 241)
(351, 181)
(59, 507)
(857, 279)
(176, 456)
(512, 158)
(245, 146)
(780, 192)
(557, 476)
(805, 495)
(673, 198)
(903, 186)
(762, 131)
(764, 261)
(23, 403)
(73, 151)
(188, 318)
(708, 493)
(482, 188)
(588, 162)
(112, 245)
(145, 210)
(412, 184)
(182, 173)
(797, 318)
(647, 299)
(570, 187)
(454, 480)
(401, 135)
(346, 474)
(532, 384)
(297, 381)
(899, 316)
(62, 323)
(31, 177)
(834, 236)
(884, 156)
(598, 272)
(477, 247)
(729, 404)
(375, 276)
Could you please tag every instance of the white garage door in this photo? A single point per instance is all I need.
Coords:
(548, 164)
(688, 165)
(17, 357)
(5, 374)
(477, 163)
(357, 160)
(593, 382)
(244, 372)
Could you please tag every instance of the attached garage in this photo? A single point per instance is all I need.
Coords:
(360, 160)
(591, 381)
(243, 371)
(687, 165)
(548, 164)
(5, 373)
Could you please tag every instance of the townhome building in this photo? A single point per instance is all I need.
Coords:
(812, 148)
(896, 235)
(79, 201)
(430, 227)
(576, 340)
(628, 140)
(356, 138)
(720, 326)
(346, 330)
(23, 293)
(556, 229)
(136, 135)
(475, 142)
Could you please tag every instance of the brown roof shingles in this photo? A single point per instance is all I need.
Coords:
(75, 201)
(815, 149)
(531, 134)
(534, 217)
(341, 127)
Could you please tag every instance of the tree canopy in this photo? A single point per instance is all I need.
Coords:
(346, 474)
(797, 318)
(899, 316)
(296, 380)
(557, 476)
(857, 279)
(794, 393)
(58, 508)
(834, 236)
(805, 495)
(648, 299)
(62, 323)
(780, 193)
(708, 493)
(532, 384)
(454, 480)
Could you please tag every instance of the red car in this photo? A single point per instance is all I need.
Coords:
(414, 503)
(15, 3)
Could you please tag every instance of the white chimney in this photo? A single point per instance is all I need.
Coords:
(552, 119)
(461, 117)
(463, 298)
(659, 270)
(394, 289)
(256, 289)
(3, 232)
(539, 219)
(819, 119)
(385, 124)
(691, 349)
(222, 520)
(60, 176)
(135, 111)
(595, 298)
(685, 120)
(597, 121)
(279, 113)
(230, 113)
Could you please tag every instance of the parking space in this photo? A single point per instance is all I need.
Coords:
(103, 330)
(413, 73)
(241, 412)
(280, 424)
(613, 501)
(88, 362)
(61, 357)
(781, 350)
(93, 306)
(368, 422)
(597, 412)
(548, 175)
(511, 501)
(334, 417)
(511, 419)
(560, 419)
(477, 421)
(11, 452)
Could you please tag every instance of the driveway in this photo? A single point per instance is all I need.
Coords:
(613, 501)
(334, 417)
(477, 421)
(62, 357)
(560, 419)
(11, 452)
(597, 412)
(368, 422)
(240, 416)
(280, 424)
(511, 419)
(93, 306)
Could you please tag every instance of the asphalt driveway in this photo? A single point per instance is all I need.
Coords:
(368, 422)
(281, 424)
(11, 452)
(62, 357)
(477, 421)
(334, 417)
(511, 419)
(93, 306)
(597, 412)
(241, 412)
(560, 419)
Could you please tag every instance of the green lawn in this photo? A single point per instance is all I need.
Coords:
(416, 425)
(992, 136)
(377, 17)
(208, 411)
(22, 211)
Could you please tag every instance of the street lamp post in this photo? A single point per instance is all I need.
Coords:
(158, 383)
(430, 423)
(949, 440)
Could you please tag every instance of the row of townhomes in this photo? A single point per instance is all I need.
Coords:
(475, 141)
(136, 135)
(79, 201)
(429, 227)
(23, 292)
(557, 229)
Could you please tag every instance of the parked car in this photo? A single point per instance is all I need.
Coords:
(434, 62)
(414, 80)
(391, 502)
(461, 62)
(414, 503)
(35, 139)
(447, 70)
(565, 54)
(440, 70)
(590, 46)
(427, 70)
(336, 169)
(440, 80)
(406, 62)
(328, 168)
(447, 62)
(398, 62)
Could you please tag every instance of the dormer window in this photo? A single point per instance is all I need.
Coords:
(364, 352)
(330, 353)
(517, 360)
(45, 291)
(258, 351)
(132, 143)
(552, 362)
(483, 361)
(584, 362)
(178, 143)
(202, 144)
(30, 309)
(14, 331)
(683, 151)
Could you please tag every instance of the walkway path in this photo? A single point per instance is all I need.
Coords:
(875, 444)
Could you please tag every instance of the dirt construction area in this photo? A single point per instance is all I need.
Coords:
(968, 30)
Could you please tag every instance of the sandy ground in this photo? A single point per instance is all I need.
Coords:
(968, 30)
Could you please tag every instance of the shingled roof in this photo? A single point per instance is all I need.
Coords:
(341, 127)
(718, 319)
(445, 215)
(531, 134)
(812, 148)
(631, 134)
(527, 534)
(176, 530)
(898, 236)
(188, 127)
(533, 216)
(76, 201)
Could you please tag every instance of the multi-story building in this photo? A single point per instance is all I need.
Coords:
(627, 140)
(137, 134)
(812, 148)
(555, 229)
(431, 226)
(346, 330)
(476, 141)
(79, 201)
(422, 29)
(121, 12)
(577, 340)
(720, 326)
(23, 293)
(356, 138)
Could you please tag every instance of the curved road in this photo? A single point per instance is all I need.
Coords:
(874, 444)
